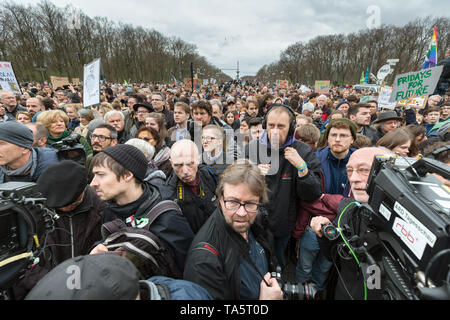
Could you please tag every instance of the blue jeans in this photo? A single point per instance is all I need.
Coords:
(312, 264)
(280, 244)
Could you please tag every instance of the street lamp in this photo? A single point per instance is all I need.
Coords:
(41, 70)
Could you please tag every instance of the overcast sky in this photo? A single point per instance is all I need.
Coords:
(254, 32)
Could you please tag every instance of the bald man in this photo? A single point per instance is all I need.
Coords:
(193, 184)
(358, 170)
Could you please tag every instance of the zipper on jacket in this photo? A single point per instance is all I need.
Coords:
(71, 237)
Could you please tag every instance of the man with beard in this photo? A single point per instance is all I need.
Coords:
(102, 137)
(361, 115)
(117, 120)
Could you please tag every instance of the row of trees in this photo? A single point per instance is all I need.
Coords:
(342, 58)
(44, 40)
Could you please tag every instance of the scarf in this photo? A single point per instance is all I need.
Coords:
(22, 171)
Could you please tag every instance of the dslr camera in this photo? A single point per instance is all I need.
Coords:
(295, 291)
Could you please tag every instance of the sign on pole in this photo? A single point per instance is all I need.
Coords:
(282, 84)
(91, 83)
(8, 79)
(415, 84)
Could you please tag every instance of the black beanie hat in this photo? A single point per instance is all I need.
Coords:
(62, 183)
(130, 157)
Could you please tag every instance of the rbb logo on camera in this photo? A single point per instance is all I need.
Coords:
(410, 236)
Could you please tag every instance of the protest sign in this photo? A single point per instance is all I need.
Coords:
(75, 81)
(365, 99)
(205, 82)
(384, 97)
(91, 83)
(417, 102)
(415, 84)
(282, 84)
(59, 81)
(8, 79)
(322, 86)
(188, 83)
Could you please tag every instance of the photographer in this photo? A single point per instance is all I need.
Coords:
(19, 161)
(350, 283)
(235, 233)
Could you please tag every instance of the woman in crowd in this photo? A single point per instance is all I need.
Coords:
(161, 158)
(72, 112)
(86, 116)
(23, 117)
(399, 141)
(230, 120)
(157, 121)
(56, 123)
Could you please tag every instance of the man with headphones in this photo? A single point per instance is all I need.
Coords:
(291, 170)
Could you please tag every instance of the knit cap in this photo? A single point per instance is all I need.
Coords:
(130, 157)
(16, 133)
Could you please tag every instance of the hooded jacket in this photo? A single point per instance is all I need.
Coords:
(286, 187)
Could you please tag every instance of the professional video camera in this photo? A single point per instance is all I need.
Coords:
(409, 210)
(295, 291)
(70, 148)
(24, 222)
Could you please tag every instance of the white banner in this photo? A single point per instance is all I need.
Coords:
(384, 97)
(91, 83)
(8, 79)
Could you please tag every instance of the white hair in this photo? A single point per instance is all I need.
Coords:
(147, 149)
(111, 113)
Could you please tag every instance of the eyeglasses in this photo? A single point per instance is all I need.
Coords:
(100, 137)
(142, 112)
(362, 171)
(156, 100)
(250, 207)
(208, 139)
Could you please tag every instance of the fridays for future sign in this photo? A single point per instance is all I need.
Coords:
(415, 84)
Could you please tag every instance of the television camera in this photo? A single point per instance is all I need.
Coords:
(70, 148)
(409, 211)
(24, 222)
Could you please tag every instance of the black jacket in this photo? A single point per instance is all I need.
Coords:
(74, 235)
(350, 271)
(171, 227)
(370, 133)
(285, 186)
(217, 251)
(196, 209)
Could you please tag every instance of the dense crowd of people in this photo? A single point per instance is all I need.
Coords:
(307, 154)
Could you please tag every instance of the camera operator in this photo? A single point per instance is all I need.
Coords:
(232, 252)
(78, 227)
(19, 161)
(350, 283)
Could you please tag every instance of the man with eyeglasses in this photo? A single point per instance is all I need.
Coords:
(193, 184)
(231, 256)
(102, 137)
(158, 103)
(10, 104)
(350, 286)
(141, 110)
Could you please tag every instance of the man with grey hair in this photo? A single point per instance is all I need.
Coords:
(117, 120)
(10, 103)
(434, 100)
(40, 134)
(231, 256)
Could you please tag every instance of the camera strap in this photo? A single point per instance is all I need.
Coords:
(247, 257)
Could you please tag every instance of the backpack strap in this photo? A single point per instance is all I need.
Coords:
(160, 208)
(111, 227)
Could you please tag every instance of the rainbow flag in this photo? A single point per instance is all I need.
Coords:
(431, 57)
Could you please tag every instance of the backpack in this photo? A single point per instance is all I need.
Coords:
(164, 288)
(151, 255)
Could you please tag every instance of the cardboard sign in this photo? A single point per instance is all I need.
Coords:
(417, 102)
(75, 81)
(8, 79)
(59, 81)
(188, 83)
(322, 86)
(91, 83)
(282, 84)
(384, 97)
(415, 84)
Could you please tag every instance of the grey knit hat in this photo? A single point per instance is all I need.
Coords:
(16, 133)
